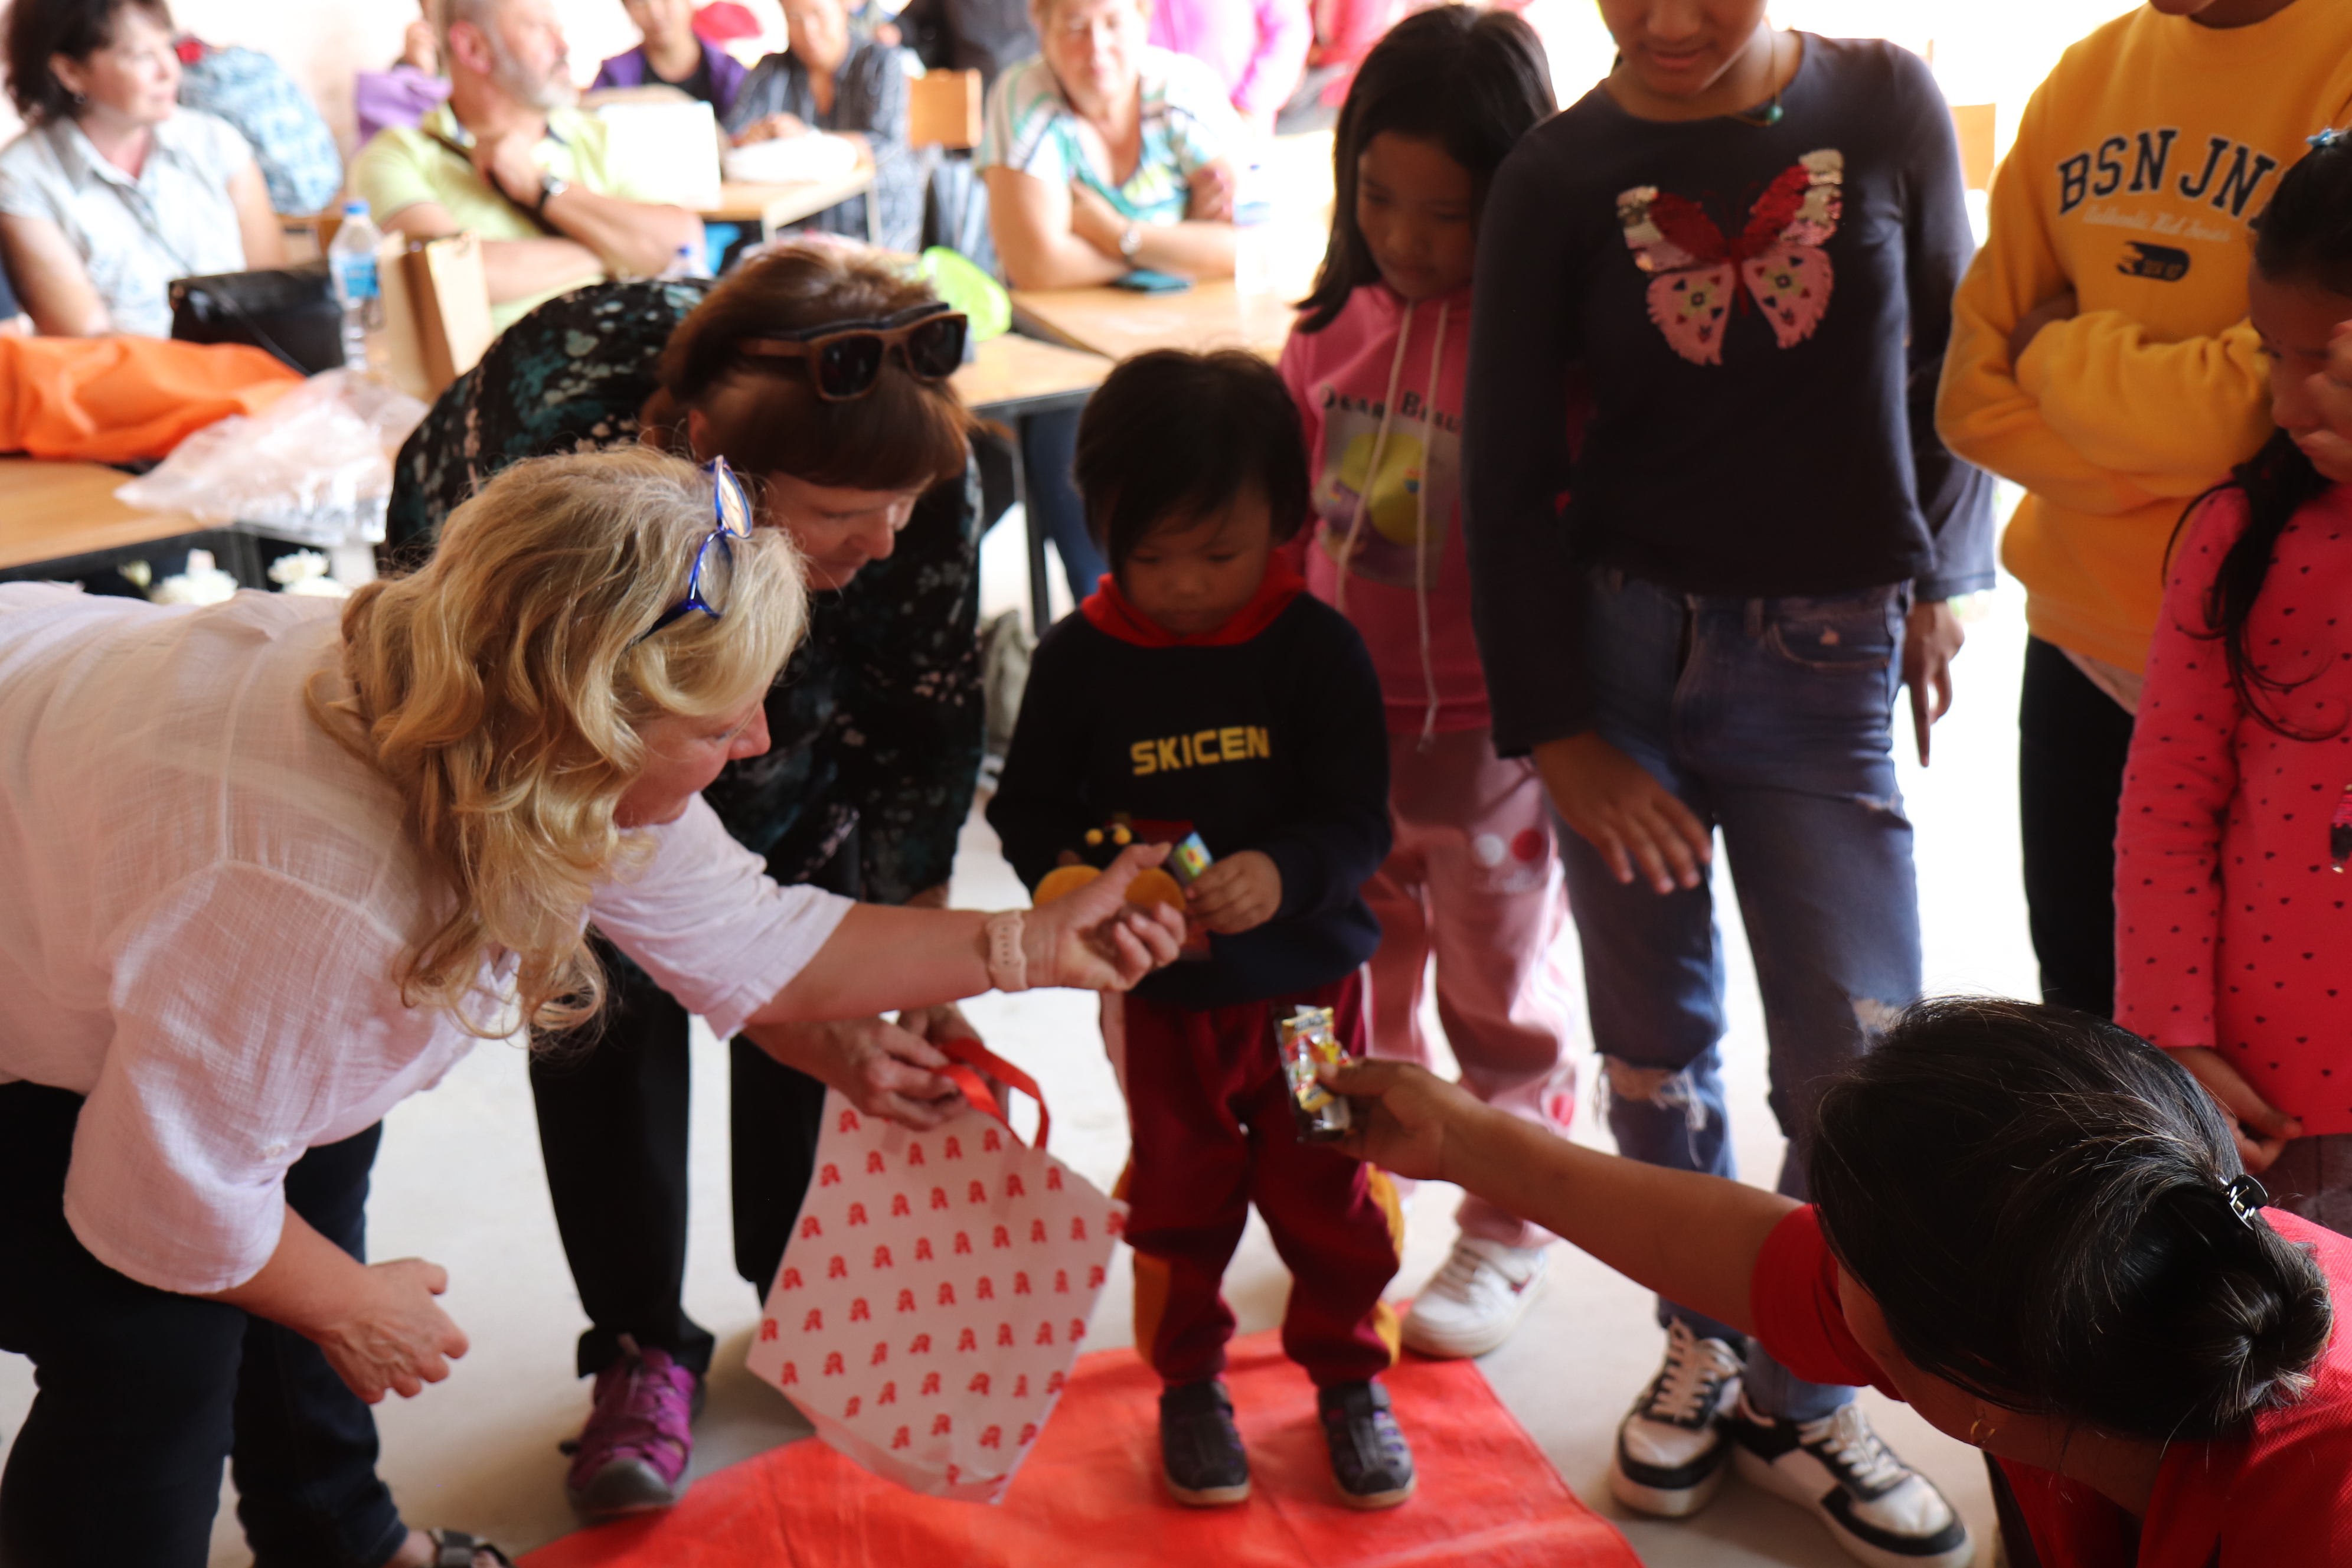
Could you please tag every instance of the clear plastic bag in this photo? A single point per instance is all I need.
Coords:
(316, 467)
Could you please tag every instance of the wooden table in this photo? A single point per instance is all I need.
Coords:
(1010, 378)
(1211, 314)
(771, 207)
(60, 514)
(1012, 374)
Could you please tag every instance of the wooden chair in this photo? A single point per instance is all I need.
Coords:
(307, 235)
(943, 109)
(436, 309)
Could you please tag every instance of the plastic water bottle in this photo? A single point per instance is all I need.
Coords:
(1252, 230)
(351, 264)
(684, 263)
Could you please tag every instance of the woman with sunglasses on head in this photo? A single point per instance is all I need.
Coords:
(859, 455)
(273, 866)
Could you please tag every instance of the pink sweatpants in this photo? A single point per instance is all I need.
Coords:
(1474, 879)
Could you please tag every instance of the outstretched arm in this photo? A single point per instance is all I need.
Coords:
(1692, 1237)
(880, 958)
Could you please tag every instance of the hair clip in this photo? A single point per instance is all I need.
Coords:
(2322, 140)
(2246, 1197)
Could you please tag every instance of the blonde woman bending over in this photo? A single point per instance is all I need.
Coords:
(270, 872)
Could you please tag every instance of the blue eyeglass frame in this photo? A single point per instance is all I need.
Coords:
(730, 507)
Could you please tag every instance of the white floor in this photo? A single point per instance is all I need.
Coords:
(459, 1182)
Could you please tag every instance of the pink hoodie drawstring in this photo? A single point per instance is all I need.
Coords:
(1421, 503)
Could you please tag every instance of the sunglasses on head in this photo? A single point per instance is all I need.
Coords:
(846, 358)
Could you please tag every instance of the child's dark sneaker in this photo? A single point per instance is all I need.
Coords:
(1200, 1448)
(1370, 1458)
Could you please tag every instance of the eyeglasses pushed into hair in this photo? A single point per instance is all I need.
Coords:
(712, 575)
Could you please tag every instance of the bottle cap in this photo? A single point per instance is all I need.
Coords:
(355, 209)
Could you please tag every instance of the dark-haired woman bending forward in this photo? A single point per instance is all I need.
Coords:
(875, 743)
(2147, 1353)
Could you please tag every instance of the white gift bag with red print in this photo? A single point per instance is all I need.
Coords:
(936, 1290)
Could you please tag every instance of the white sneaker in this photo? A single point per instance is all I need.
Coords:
(1671, 1449)
(1880, 1509)
(1471, 1304)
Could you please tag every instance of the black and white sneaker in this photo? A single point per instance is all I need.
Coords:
(1201, 1452)
(1879, 1509)
(1671, 1449)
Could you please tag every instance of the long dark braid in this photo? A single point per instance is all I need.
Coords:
(2304, 236)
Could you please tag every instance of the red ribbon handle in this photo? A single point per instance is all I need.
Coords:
(969, 1060)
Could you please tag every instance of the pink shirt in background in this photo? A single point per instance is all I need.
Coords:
(2231, 886)
(1345, 32)
(1341, 377)
(1257, 47)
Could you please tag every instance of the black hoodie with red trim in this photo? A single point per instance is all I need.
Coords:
(1267, 733)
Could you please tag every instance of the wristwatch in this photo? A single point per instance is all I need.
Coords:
(1131, 242)
(550, 185)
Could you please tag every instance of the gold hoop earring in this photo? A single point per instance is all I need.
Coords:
(1990, 1433)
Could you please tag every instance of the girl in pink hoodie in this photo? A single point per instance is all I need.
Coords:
(1376, 365)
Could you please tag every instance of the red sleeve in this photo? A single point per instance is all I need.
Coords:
(1793, 1297)
(2176, 789)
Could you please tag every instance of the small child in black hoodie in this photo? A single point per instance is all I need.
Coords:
(1202, 690)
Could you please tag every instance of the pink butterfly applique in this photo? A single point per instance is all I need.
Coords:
(1777, 262)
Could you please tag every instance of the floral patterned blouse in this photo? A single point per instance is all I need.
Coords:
(876, 721)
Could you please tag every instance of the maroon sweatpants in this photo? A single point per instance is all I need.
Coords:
(1213, 1132)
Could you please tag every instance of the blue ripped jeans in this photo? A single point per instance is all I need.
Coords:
(1770, 719)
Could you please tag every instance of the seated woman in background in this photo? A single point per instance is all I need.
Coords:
(1102, 154)
(112, 190)
(1105, 154)
(855, 87)
(672, 55)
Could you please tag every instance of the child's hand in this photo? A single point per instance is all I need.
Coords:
(1237, 893)
(2057, 308)
(1615, 805)
(2261, 1128)
(1930, 638)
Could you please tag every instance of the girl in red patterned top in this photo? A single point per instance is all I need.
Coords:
(2234, 914)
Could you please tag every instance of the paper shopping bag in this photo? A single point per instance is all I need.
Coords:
(436, 309)
(936, 1290)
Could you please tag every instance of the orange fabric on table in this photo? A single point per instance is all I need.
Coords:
(1091, 1493)
(112, 400)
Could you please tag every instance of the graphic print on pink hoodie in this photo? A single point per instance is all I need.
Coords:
(1379, 395)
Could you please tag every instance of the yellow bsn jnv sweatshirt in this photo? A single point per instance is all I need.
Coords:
(2138, 167)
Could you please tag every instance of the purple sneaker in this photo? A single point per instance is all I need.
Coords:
(631, 1456)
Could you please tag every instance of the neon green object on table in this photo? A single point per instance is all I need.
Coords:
(985, 304)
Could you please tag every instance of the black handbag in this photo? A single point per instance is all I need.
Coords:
(288, 312)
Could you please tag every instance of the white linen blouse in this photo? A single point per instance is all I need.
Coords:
(203, 898)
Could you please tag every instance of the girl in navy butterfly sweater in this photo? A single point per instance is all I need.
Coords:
(1747, 242)
(1202, 690)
